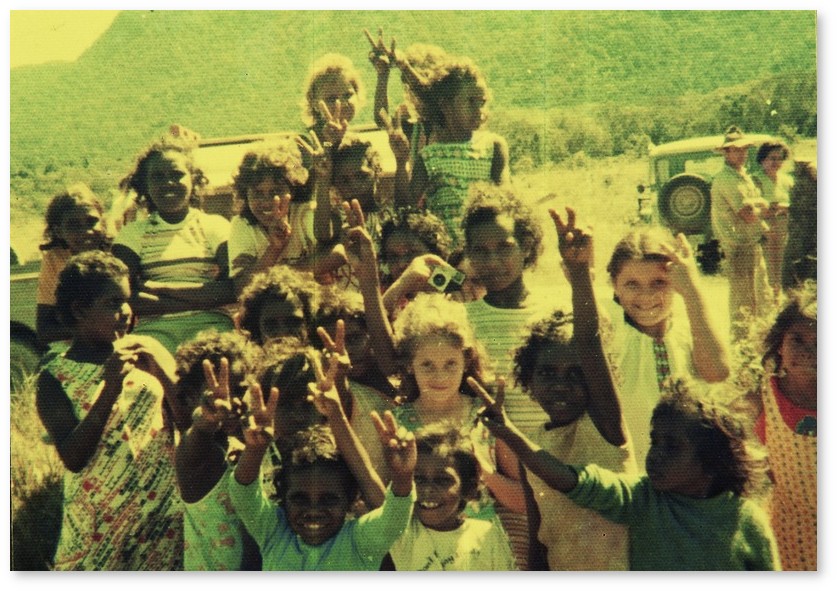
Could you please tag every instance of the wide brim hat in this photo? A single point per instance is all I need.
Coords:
(735, 138)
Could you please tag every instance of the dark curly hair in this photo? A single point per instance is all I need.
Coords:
(279, 160)
(280, 283)
(722, 444)
(434, 315)
(315, 447)
(336, 304)
(486, 202)
(447, 440)
(555, 329)
(444, 76)
(137, 179)
(212, 345)
(330, 64)
(768, 147)
(76, 195)
(84, 280)
(356, 149)
(801, 307)
(426, 226)
(640, 245)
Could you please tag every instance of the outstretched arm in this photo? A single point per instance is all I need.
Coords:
(400, 146)
(710, 353)
(400, 450)
(548, 468)
(326, 222)
(258, 434)
(576, 247)
(382, 59)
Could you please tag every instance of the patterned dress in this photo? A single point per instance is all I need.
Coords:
(451, 168)
(122, 510)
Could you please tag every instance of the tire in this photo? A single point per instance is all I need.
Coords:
(685, 203)
(23, 363)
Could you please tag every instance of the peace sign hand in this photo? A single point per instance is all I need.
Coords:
(215, 406)
(321, 162)
(334, 125)
(280, 229)
(398, 141)
(259, 430)
(574, 243)
(359, 243)
(492, 415)
(382, 58)
(398, 443)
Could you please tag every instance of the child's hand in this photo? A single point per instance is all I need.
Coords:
(216, 407)
(359, 242)
(398, 443)
(334, 125)
(398, 141)
(118, 365)
(336, 348)
(492, 415)
(321, 162)
(574, 243)
(682, 267)
(417, 274)
(382, 58)
(259, 430)
(280, 229)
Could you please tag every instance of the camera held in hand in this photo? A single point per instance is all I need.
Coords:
(446, 279)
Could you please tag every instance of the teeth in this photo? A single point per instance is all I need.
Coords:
(428, 505)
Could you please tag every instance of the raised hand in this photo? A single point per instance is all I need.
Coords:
(325, 393)
(382, 58)
(334, 124)
(259, 430)
(280, 229)
(321, 162)
(398, 141)
(682, 267)
(574, 243)
(215, 407)
(398, 443)
(336, 347)
(358, 242)
(492, 415)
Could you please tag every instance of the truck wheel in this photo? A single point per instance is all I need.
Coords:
(684, 204)
(23, 363)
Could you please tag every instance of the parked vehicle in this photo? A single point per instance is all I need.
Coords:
(677, 195)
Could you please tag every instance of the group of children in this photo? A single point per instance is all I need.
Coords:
(332, 382)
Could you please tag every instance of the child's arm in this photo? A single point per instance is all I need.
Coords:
(400, 450)
(382, 60)
(412, 280)
(500, 172)
(537, 551)
(76, 440)
(419, 182)
(278, 236)
(502, 480)
(200, 457)
(380, 331)
(400, 146)
(603, 405)
(325, 397)
(258, 434)
(547, 467)
(709, 350)
(326, 221)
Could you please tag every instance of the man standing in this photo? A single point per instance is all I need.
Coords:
(737, 208)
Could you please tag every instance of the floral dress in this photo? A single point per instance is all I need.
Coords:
(122, 510)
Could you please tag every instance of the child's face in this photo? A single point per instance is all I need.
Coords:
(438, 492)
(82, 228)
(357, 346)
(108, 317)
(169, 184)
(399, 250)
(799, 357)
(466, 111)
(438, 366)
(355, 179)
(315, 507)
(645, 292)
(282, 318)
(260, 199)
(495, 253)
(332, 88)
(557, 384)
(672, 462)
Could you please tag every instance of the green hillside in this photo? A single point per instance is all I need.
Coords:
(228, 72)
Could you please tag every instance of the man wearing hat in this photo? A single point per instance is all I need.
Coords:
(737, 208)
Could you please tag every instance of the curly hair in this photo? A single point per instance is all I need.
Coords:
(444, 76)
(801, 307)
(447, 440)
(767, 147)
(421, 223)
(137, 179)
(279, 283)
(425, 59)
(555, 329)
(287, 364)
(354, 150)
(74, 196)
(278, 160)
(640, 245)
(83, 280)
(336, 304)
(315, 447)
(434, 315)
(721, 441)
(212, 345)
(330, 64)
(486, 202)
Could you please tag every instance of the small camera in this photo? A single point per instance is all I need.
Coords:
(446, 279)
